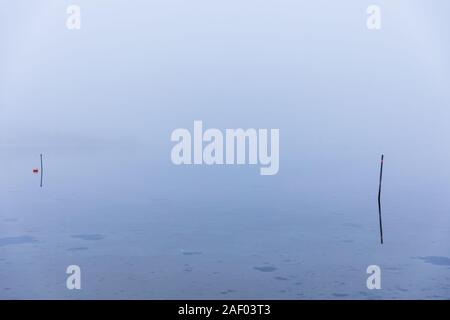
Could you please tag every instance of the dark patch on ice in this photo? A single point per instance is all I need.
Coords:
(89, 237)
(187, 268)
(10, 220)
(17, 240)
(340, 295)
(265, 268)
(436, 260)
(77, 249)
(191, 253)
(281, 278)
(227, 291)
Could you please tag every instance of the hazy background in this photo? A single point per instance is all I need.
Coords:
(100, 104)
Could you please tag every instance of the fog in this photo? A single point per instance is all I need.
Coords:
(100, 104)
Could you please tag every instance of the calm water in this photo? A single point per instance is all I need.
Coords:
(215, 232)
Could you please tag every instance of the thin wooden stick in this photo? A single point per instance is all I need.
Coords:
(42, 170)
(379, 199)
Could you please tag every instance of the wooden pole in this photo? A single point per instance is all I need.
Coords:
(379, 198)
(42, 170)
